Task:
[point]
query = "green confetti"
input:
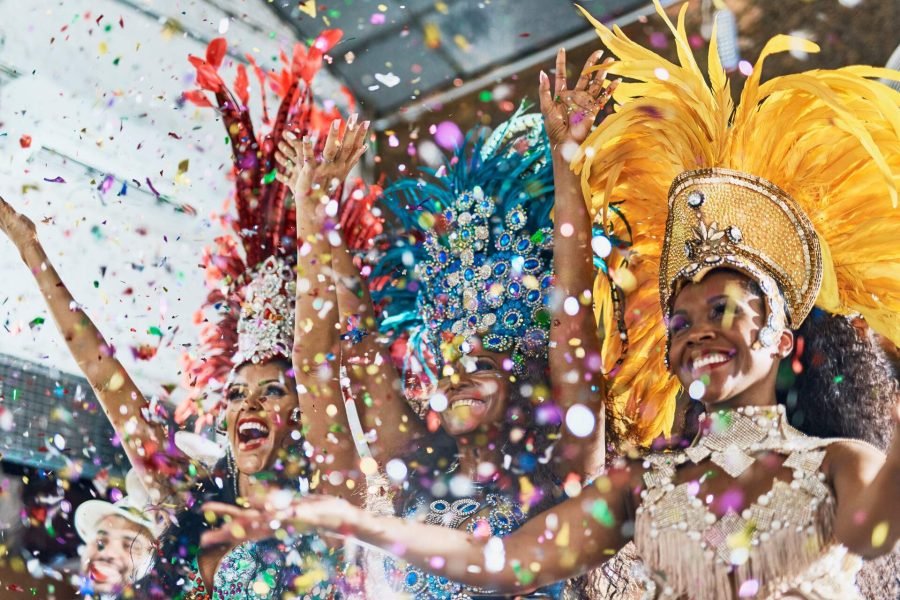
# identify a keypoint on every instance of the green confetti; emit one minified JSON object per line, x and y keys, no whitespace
{"x":485,"y":96}
{"x":96,"y":284}
{"x":601,"y":513}
{"x":35,"y":322}
{"x":839,"y":379}
{"x":270,"y":176}
{"x":155,"y":331}
{"x":367,"y":400}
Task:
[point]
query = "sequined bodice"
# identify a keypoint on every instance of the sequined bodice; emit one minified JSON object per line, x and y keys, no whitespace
{"x":268,"y":569}
{"x":493,"y":515}
{"x":759,"y":552}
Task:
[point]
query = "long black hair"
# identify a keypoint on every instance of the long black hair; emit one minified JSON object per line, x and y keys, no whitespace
{"x":179,"y":544}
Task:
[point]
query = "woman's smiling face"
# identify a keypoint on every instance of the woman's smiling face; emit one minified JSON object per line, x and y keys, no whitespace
{"x":477,"y":388}
{"x":712,"y":331}
{"x":260,"y":401}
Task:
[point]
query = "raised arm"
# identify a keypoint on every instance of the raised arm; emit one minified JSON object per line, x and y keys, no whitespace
{"x":574,"y":336}
{"x":558,"y":544}
{"x":316,"y":354}
{"x":375,"y":390}
{"x":867,"y":485}
{"x":144,"y":441}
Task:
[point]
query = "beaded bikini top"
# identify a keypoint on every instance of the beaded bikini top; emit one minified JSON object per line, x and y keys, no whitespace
{"x":764,"y":550}
{"x":492,"y":514}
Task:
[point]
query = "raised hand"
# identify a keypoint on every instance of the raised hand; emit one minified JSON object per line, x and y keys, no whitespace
{"x":264,"y":514}
{"x":569,"y":114}
{"x":303,"y":170}
{"x":19,"y":228}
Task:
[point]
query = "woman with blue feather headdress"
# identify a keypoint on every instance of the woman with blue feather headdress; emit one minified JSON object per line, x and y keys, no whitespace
{"x":466,"y":295}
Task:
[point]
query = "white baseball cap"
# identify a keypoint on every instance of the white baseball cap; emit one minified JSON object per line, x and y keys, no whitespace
{"x":133,"y":507}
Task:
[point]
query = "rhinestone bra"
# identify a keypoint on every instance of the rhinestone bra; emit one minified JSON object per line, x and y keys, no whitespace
{"x":762,"y":549}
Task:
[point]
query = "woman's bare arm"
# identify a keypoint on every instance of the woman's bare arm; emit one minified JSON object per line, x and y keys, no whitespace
{"x":560,"y":543}
{"x":574,"y":336}
{"x":144,"y":441}
{"x":316,"y":353}
{"x":867,"y":486}
{"x":375,"y":387}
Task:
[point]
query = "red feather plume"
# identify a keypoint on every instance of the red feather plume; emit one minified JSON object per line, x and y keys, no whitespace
{"x":264,"y":225}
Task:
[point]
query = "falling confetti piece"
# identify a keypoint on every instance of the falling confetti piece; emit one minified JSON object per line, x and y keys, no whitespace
{"x":25,"y":141}
{"x":879,"y":534}
{"x":36,"y":322}
{"x":55,"y":180}
{"x":387,"y":79}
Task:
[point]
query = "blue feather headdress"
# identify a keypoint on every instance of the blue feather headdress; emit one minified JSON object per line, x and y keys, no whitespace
{"x":474,"y":256}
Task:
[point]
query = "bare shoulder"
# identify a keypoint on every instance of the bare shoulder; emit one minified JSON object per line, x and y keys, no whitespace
{"x":858,"y":456}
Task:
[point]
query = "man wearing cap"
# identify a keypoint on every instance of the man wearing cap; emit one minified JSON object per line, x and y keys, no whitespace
{"x":120,"y":539}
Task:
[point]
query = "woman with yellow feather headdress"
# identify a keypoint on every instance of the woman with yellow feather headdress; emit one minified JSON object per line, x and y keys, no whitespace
{"x":787,"y":202}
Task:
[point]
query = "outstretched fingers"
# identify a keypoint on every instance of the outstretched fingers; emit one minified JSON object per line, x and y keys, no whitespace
{"x":584,"y":81}
{"x":560,"y":84}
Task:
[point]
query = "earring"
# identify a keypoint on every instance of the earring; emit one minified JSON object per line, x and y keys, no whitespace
{"x":295,"y":415}
{"x":231,"y":465}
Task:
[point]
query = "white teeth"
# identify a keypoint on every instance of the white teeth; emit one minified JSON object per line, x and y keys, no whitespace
{"x":252,"y":425}
{"x":465,"y":402}
{"x":709,"y":359}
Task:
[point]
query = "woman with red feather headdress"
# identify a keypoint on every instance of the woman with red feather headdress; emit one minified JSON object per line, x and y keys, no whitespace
{"x":246,"y":353}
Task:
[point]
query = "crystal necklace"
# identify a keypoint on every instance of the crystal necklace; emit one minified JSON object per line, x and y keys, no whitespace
{"x":727,"y":435}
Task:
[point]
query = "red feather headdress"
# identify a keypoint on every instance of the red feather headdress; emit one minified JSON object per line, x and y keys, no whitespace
{"x":264,"y":226}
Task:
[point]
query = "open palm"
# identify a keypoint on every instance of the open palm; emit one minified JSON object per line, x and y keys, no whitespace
{"x":569,"y":114}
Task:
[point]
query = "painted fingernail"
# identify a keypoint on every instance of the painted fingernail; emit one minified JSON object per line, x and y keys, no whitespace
{"x":365,"y":124}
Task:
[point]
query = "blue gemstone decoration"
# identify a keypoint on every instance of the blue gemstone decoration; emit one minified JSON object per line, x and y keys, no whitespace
{"x":531,"y":265}
{"x":468,"y":508}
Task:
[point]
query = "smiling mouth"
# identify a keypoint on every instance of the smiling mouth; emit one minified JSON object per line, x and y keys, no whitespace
{"x":709,"y":361}
{"x":466,"y":402}
{"x":102,"y":572}
{"x":251,"y":433}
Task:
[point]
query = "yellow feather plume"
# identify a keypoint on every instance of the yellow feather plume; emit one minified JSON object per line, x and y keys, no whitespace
{"x":830,"y":139}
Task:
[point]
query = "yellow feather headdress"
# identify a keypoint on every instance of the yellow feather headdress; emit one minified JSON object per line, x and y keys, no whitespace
{"x":819,"y":149}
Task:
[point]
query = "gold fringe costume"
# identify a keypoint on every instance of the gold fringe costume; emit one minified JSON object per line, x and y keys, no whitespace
{"x":796,"y":187}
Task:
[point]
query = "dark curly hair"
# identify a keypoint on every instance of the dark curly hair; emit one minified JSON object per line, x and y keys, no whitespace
{"x":839,"y":382}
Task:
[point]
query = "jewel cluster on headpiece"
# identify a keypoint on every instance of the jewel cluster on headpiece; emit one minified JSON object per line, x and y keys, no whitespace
{"x":475,"y":258}
{"x":266,"y":325}
{"x":487,"y":277}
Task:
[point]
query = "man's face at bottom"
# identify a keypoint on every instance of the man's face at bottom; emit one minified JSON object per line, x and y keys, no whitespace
{"x":112,"y":558}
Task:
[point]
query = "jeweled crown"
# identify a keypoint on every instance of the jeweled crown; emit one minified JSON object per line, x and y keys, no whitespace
{"x":487,"y":277}
{"x":266,"y":323}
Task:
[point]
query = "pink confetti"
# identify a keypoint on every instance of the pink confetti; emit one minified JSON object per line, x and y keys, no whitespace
{"x":448,"y":135}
